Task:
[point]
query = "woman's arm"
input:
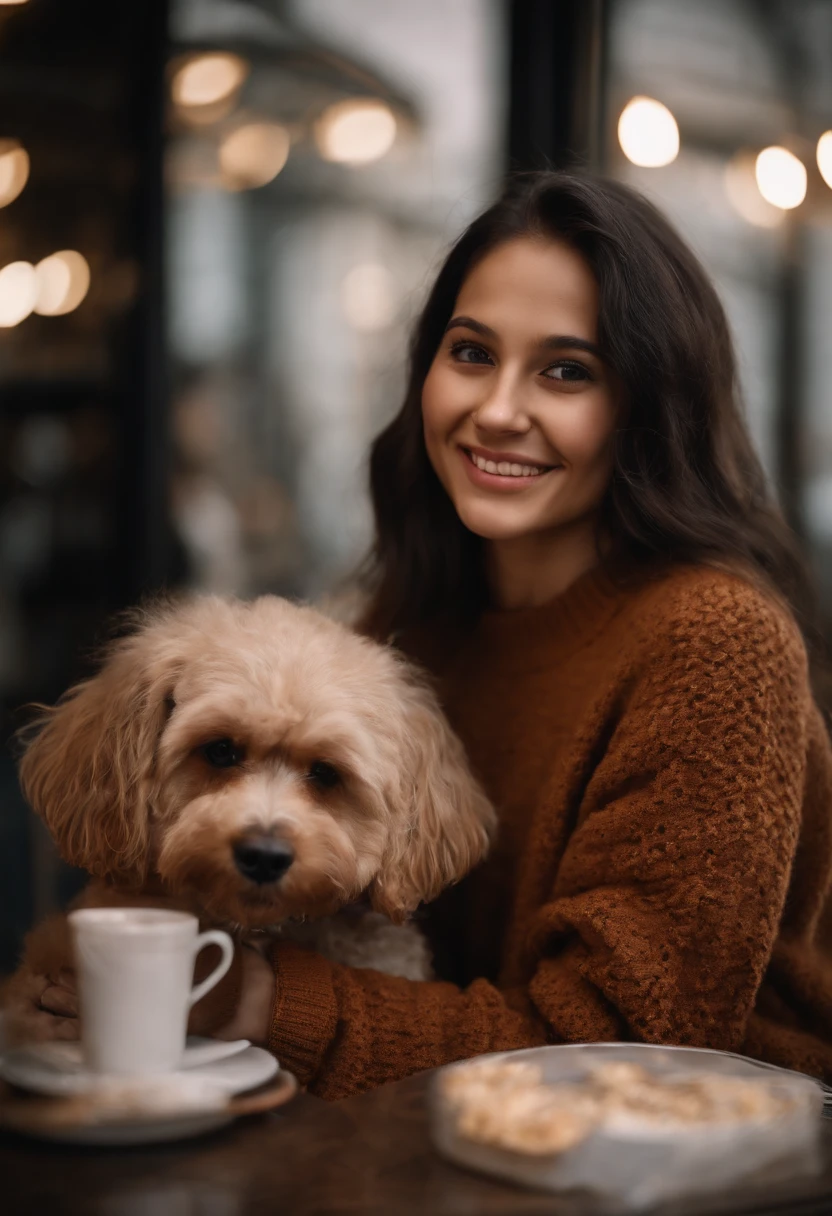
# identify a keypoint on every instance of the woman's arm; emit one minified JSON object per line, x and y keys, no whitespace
{"x":343,"y":1029}
{"x":670,"y":894}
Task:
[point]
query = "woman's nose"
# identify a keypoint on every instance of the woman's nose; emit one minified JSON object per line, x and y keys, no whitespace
{"x":503,"y":408}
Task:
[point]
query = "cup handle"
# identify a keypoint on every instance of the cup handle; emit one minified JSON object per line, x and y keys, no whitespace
{"x":227,"y":946}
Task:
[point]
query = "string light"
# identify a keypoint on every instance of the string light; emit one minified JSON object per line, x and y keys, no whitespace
{"x":744,"y":195}
{"x":14,"y":170}
{"x":781,"y":178}
{"x":63,"y":280}
{"x":207,"y":79}
{"x":368,"y":297}
{"x":355,"y":132}
{"x":18,"y":293}
{"x":824,"y":155}
{"x":648,"y":133}
{"x":254,"y":154}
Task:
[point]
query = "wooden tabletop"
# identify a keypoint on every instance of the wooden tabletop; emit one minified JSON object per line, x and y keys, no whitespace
{"x":369,"y":1154}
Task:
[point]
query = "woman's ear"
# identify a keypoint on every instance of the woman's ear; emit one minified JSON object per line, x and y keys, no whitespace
{"x":444,"y":822}
{"x":88,"y":770}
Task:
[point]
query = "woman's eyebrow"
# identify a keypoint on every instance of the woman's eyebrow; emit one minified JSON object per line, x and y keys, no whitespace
{"x":553,"y":342}
{"x":564,"y":341}
{"x":470,"y":323}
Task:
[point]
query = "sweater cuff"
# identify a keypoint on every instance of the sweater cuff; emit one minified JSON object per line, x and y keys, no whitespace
{"x":305,"y":1015}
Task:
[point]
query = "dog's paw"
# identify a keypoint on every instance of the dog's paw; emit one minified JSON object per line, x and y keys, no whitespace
{"x":40,"y":1008}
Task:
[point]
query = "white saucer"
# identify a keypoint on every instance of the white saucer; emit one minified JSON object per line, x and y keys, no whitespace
{"x":141,"y":1111}
{"x":58,"y":1070}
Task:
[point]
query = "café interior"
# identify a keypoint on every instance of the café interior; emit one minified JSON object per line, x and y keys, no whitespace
{"x":218,"y":219}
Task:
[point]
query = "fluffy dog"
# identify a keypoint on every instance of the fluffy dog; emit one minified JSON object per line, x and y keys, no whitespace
{"x":258,"y":764}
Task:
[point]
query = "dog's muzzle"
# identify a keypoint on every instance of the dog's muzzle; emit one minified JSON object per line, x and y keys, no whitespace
{"x":262,"y":859}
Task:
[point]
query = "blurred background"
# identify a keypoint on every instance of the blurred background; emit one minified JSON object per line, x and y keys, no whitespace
{"x":219,"y":217}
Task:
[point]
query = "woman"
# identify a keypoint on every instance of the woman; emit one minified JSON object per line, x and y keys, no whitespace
{"x":575,"y":536}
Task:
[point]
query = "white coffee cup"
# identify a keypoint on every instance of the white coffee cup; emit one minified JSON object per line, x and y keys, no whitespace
{"x":135,"y":971}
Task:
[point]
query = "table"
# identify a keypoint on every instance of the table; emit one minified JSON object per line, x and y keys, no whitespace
{"x":366,"y":1155}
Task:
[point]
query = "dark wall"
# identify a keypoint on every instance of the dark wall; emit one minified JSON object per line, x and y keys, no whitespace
{"x":82,"y":397}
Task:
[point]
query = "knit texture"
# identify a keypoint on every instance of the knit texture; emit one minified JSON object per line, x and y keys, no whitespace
{"x":664,"y":784}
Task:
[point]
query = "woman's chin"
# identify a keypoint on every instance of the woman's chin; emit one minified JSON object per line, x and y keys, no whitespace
{"x":494,"y":526}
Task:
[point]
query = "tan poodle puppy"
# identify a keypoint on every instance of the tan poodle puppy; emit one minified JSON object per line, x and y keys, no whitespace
{"x":260,"y":765}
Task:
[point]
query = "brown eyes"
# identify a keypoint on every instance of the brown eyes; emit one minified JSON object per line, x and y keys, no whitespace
{"x":222,"y":753}
{"x":324,"y":776}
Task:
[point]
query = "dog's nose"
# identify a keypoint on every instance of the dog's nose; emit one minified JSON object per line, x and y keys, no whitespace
{"x":261,"y":859}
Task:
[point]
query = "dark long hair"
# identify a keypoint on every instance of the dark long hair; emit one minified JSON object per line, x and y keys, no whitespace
{"x":686,"y":485}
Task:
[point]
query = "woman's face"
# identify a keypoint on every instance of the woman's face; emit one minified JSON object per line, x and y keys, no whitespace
{"x":518,"y":408}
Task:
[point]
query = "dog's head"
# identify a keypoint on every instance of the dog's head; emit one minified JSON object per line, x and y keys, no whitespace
{"x":263,"y":759}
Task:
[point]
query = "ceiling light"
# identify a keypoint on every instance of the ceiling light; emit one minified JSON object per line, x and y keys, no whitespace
{"x":207,"y":79}
{"x":254,"y":154}
{"x":18,"y":292}
{"x":368,"y":297}
{"x":744,"y":196}
{"x":648,"y":133}
{"x":14,"y":170}
{"x":63,"y":280}
{"x":781,"y":178}
{"x":824,"y":155}
{"x":355,"y":132}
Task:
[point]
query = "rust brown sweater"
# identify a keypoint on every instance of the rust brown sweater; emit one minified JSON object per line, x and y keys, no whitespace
{"x":664,"y":784}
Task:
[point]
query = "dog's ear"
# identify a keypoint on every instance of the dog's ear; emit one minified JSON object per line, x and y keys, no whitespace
{"x":443,"y":823}
{"x":87,"y":768}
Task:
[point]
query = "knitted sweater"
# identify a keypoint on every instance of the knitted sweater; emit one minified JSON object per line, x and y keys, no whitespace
{"x":663,"y":779}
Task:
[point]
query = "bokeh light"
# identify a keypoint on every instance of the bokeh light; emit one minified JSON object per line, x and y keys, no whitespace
{"x":824,"y":155}
{"x":368,"y":297}
{"x":14,"y":170}
{"x":63,"y":280}
{"x":254,"y":154}
{"x":207,"y":79}
{"x":355,"y":132}
{"x":648,"y":133}
{"x":781,"y":178}
{"x":18,"y":293}
{"x":744,"y":196}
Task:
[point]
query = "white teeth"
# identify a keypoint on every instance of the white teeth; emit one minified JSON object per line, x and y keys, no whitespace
{"x":506,"y":468}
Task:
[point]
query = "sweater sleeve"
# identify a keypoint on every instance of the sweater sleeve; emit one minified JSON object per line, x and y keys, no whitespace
{"x":668,"y":897}
{"x":343,"y":1029}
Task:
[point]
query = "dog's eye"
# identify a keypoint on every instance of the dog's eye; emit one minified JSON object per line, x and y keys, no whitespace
{"x":324,"y":775}
{"x":222,"y":753}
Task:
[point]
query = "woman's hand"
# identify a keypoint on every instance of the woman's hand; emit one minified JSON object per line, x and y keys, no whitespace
{"x":40,"y":1007}
{"x":257,"y":993}
{"x":60,"y":996}
{"x":46,"y":1006}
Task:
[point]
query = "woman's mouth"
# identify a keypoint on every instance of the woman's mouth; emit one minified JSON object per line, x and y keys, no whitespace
{"x":510,"y":473}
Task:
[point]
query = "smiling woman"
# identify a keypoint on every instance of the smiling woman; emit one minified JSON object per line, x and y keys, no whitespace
{"x":581,"y":296}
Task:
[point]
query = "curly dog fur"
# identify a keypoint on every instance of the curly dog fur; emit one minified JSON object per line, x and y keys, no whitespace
{"x":220,"y":731}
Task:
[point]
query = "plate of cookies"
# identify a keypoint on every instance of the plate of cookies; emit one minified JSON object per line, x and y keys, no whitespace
{"x":627,"y":1125}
